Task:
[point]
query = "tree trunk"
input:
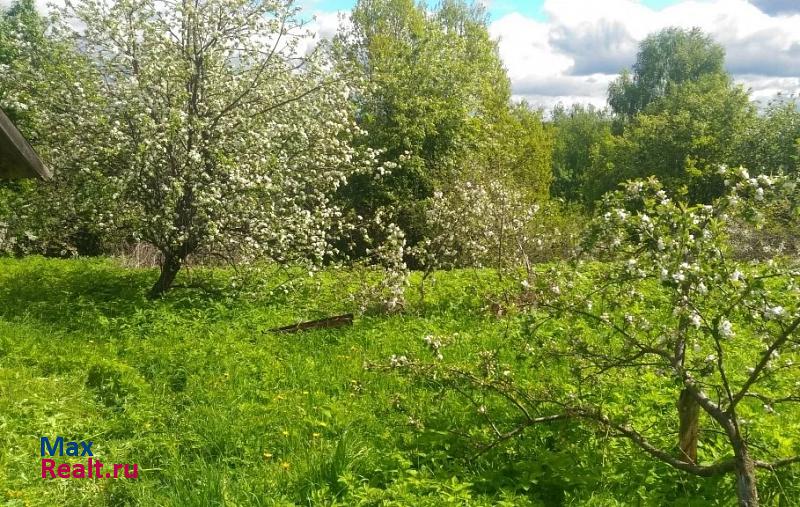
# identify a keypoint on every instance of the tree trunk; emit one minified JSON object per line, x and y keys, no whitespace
{"x":746,"y":487}
{"x":169,"y":269}
{"x":689,"y":414}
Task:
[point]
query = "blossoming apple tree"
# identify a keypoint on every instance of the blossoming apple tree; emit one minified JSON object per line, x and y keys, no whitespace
{"x":668,"y":319}
{"x":236,"y":136}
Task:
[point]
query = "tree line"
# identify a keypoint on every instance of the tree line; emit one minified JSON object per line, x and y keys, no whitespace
{"x":207,"y":128}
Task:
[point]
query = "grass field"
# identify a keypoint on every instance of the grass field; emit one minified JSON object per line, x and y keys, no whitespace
{"x":216,"y":412}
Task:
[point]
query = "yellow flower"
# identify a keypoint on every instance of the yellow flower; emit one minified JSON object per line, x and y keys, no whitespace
{"x":267,"y":455}
{"x":285,"y":433}
{"x":285,"y":465}
{"x":315,"y":435}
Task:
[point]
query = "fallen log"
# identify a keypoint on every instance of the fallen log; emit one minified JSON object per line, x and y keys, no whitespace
{"x":326,"y":323}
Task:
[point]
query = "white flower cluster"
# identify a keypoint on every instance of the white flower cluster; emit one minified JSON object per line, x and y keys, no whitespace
{"x":479,"y":225}
{"x":648,"y":236}
{"x":398,"y":361}
{"x":389,"y":256}
{"x":435,"y":345}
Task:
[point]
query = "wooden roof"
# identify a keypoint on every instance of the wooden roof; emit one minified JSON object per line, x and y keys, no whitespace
{"x":17,"y":158}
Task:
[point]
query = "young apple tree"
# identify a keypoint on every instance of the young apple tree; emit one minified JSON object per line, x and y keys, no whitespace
{"x":236,"y":136}
{"x":667,"y":319}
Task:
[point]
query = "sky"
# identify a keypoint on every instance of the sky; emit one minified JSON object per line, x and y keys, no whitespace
{"x":569,"y":50}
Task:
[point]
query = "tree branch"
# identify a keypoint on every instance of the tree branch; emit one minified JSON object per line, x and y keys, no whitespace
{"x":765,"y":358}
{"x":777,"y":464}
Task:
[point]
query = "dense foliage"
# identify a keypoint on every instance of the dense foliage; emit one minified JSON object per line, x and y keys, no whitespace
{"x":579,"y":130}
{"x":436,"y":105}
{"x":665,"y":60}
{"x":681,"y":138}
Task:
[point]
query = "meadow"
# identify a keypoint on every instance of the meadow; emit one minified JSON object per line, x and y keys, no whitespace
{"x":216,"y":411}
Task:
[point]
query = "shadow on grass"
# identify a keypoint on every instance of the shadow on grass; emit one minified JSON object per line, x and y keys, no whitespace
{"x":62,"y":292}
{"x":96,"y":296}
{"x":74,"y":294}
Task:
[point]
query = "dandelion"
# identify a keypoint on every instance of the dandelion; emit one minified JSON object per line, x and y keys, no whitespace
{"x":285,"y":465}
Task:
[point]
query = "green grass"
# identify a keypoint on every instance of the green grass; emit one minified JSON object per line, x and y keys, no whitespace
{"x":217,"y":412}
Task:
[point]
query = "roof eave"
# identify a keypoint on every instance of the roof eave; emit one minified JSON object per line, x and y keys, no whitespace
{"x":17,"y":158}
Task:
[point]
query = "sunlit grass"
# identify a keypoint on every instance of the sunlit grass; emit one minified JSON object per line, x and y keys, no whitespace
{"x":216,"y":411}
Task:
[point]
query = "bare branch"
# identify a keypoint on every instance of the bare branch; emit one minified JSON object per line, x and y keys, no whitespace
{"x":637,"y":438}
{"x":777,"y":464}
{"x":522,"y":427}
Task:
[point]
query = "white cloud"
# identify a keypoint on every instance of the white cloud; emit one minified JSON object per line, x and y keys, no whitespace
{"x":323,"y":25}
{"x":765,"y":87}
{"x":573,"y":55}
{"x":525,"y":48}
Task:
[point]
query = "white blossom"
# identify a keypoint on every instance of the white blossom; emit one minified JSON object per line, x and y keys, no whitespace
{"x":773,"y":312}
{"x":725,"y":328}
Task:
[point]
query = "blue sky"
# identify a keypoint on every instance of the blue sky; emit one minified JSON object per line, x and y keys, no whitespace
{"x":533,"y":8}
{"x":570,"y":50}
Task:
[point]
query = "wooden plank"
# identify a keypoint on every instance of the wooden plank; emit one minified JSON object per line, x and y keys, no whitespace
{"x":17,"y":157}
{"x":326,"y":323}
